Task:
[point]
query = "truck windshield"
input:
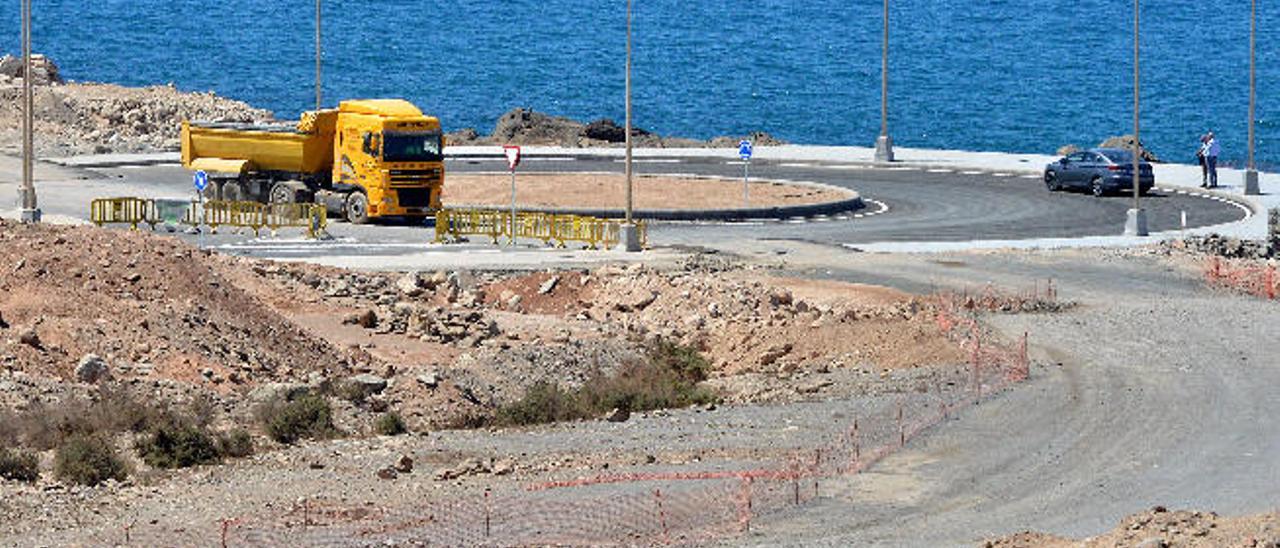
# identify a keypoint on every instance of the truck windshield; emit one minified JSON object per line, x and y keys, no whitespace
{"x":411,"y":147}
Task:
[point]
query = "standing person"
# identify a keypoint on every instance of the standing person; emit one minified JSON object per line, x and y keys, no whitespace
{"x":1211,"y":150}
{"x":1204,"y":163}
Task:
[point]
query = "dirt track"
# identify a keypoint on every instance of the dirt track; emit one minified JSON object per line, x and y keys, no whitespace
{"x":1165,"y":396}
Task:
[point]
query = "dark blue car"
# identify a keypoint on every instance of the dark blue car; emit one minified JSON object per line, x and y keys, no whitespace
{"x":1100,"y":171}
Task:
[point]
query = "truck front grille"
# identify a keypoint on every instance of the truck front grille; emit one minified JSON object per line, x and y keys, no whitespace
{"x":414,"y":197}
{"x":415,"y":177}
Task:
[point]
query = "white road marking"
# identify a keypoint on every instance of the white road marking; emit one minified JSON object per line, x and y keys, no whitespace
{"x":941,"y":171}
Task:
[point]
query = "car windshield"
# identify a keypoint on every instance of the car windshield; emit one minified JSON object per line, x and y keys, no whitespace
{"x":411,"y":147}
{"x":1118,"y":156}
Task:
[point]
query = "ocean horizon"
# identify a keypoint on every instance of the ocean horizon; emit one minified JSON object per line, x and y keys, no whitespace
{"x":1025,"y":77}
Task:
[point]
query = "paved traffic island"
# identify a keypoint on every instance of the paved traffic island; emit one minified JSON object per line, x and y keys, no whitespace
{"x":662,"y":197}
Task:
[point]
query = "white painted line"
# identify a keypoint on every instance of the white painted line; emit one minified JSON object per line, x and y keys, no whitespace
{"x":971,"y":173}
{"x":941,"y":171}
{"x":651,"y":161}
{"x":1030,"y":176}
{"x":1001,"y":175}
{"x":796,"y":165}
{"x":852,"y":166}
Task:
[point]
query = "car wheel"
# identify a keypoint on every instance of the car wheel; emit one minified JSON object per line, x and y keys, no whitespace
{"x":1051,"y":181}
{"x":1096,"y":187}
{"x":357,"y":209}
{"x":232,"y":191}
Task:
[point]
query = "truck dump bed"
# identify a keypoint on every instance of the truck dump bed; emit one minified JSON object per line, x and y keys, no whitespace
{"x":234,"y":148}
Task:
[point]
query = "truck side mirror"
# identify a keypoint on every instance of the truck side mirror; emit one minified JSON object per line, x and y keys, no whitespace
{"x":368,"y":143}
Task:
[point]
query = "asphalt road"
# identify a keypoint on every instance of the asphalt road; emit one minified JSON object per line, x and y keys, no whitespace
{"x":918,"y":205}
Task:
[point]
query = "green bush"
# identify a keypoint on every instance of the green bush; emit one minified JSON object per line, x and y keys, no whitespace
{"x":306,"y":417}
{"x":178,"y":445}
{"x":390,"y":424}
{"x":19,"y":465}
{"x":88,"y":460}
{"x":668,"y":377}
{"x":236,"y":444}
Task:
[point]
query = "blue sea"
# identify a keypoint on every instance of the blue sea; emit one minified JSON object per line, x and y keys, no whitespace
{"x":996,"y":75}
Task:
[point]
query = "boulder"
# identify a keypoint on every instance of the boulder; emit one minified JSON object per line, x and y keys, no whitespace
{"x":549,"y":285}
{"x":91,"y":369}
{"x":368,"y":383}
{"x":525,"y":127}
{"x":410,"y":285}
{"x":404,"y":465}
{"x":43,"y":70}
{"x":1126,"y":142}
{"x":30,"y":338}
{"x":367,"y":319}
{"x":278,"y":391}
{"x":618,"y":414}
{"x":3,"y":324}
{"x":429,"y":380}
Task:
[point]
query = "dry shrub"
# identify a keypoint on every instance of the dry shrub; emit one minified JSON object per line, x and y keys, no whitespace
{"x":390,"y":424}
{"x":88,"y":460}
{"x":19,"y":465}
{"x":308,"y":417}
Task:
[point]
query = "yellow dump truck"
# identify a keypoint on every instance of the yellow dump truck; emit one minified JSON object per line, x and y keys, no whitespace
{"x":364,"y":160}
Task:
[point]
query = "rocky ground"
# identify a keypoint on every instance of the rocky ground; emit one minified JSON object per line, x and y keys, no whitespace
{"x":75,"y":118}
{"x":1160,"y":528}
{"x":86,"y":312}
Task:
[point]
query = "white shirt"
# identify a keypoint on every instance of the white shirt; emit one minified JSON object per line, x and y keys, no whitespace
{"x":1211,"y":148}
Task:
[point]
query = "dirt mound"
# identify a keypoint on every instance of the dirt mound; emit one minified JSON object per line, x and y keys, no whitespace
{"x":522,"y":126}
{"x":1159,"y":528}
{"x":149,"y":307}
{"x":84,"y":118}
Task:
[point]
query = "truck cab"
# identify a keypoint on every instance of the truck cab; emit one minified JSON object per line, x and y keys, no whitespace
{"x":393,"y":154}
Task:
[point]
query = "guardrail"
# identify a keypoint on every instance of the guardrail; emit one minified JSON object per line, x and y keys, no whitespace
{"x":214,"y":214}
{"x":130,"y":211}
{"x":551,"y":228}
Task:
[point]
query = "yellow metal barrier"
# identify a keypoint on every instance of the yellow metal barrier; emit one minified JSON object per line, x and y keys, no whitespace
{"x":130,"y":211}
{"x":550,"y":228}
{"x":214,"y":214}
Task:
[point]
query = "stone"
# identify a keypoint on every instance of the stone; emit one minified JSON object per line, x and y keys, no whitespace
{"x":367,"y":319}
{"x":3,"y":324}
{"x":549,"y":285}
{"x":133,"y":277}
{"x":91,"y":369}
{"x":780,"y":297}
{"x":387,"y":473}
{"x":404,"y":464}
{"x":503,"y":467}
{"x":30,"y":338}
{"x":429,"y":380}
{"x":1155,"y":542}
{"x":617,"y":414}
{"x":278,"y":391}
{"x":410,"y":285}
{"x":368,"y":383}
{"x":774,"y":353}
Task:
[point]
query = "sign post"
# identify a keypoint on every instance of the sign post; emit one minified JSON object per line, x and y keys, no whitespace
{"x":513,"y":159}
{"x":200,"y":180}
{"x":744,"y":151}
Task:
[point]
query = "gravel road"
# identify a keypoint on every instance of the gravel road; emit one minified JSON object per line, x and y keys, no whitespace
{"x":1165,"y":394}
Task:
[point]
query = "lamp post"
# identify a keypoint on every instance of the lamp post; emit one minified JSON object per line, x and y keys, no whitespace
{"x":1136,"y":221}
{"x":1251,"y":174}
{"x":318,"y":92}
{"x":628,"y":231}
{"x":884,"y":144}
{"x":27,"y":193}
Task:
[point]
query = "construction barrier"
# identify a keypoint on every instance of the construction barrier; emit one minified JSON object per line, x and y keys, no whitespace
{"x":699,"y":503}
{"x":1255,"y":278}
{"x":130,"y":211}
{"x":550,"y":228}
{"x":252,"y":215}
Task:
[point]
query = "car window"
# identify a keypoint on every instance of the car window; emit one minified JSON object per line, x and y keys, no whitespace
{"x":1092,"y":157}
{"x":1119,"y":156}
{"x":1076,"y":157}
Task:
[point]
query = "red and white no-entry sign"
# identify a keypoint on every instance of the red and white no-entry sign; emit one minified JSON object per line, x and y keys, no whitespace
{"x":513,"y":156}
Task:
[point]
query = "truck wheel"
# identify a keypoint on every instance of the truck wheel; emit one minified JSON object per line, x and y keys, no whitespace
{"x":233,"y":191}
{"x":357,"y":209}
{"x":282,"y":193}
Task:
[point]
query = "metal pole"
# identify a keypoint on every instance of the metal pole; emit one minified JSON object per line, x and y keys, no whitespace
{"x":746,"y":179}
{"x":884,"y":75}
{"x":30,"y":213}
{"x":1251,"y":174}
{"x":1136,"y":223}
{"x":513,"y":206}
{"x":1137,"y":147}
{"x":884,"y":144}
{"x":318,"y":42}
{"x":628,"y":123}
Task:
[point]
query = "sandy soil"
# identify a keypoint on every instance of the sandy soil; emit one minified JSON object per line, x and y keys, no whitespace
{"x":601,"y":190}
{"x":1160,"y":527}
